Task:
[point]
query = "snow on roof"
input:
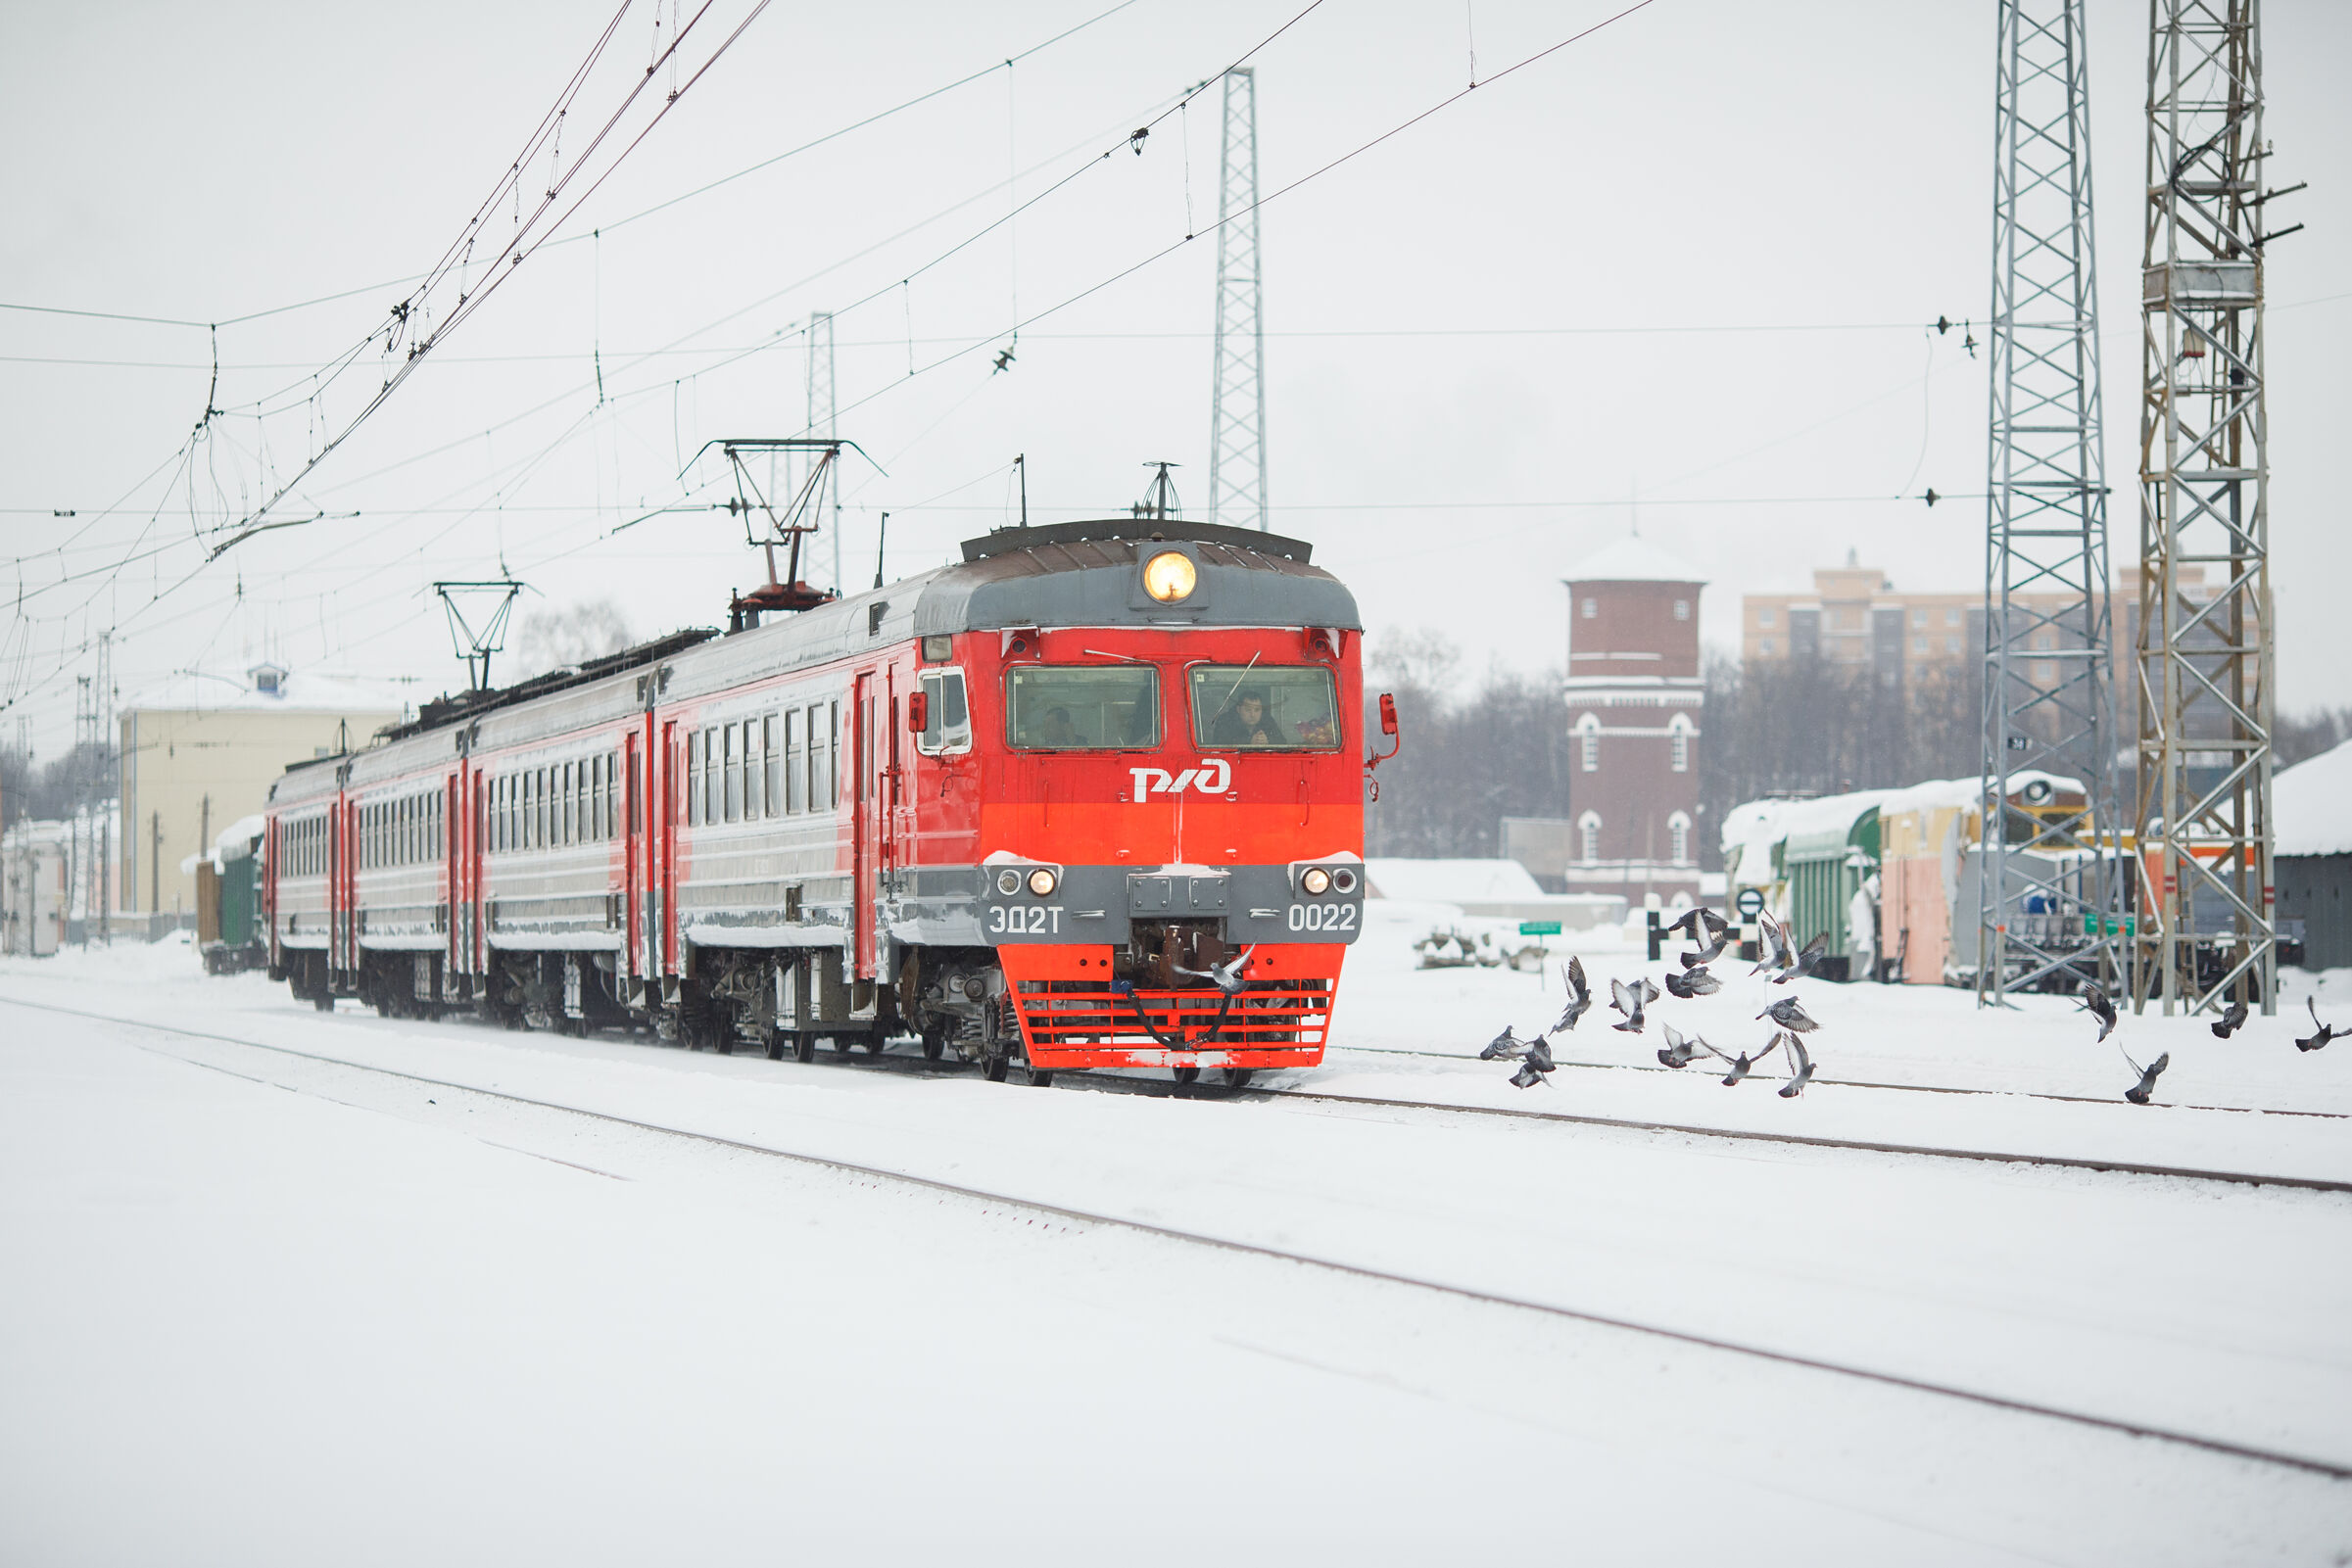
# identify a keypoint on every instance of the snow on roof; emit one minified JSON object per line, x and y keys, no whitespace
{"x":299,"y":692}
{"x":2310,"y":804}
{"x":1969,"y":793}
{"x":1448,"y":882}
{"x":1633,"y":559}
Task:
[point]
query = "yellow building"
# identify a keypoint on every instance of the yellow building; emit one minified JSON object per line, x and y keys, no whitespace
{"x":202,"y":752}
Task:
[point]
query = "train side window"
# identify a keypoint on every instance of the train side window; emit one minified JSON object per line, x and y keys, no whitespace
{"x":693,"y":778}
{"x":731,"y":776}
{"x":1082,"y":707}
{"x":833,"y":756}
{"x":613,"y":785}
{"x":947,"y":718}
{"x":796,"y":762}
{"x":771,"y":767}
{"x":1264,"y":707}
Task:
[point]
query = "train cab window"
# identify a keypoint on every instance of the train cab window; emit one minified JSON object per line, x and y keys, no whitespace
{"x":946,"y":719}
{"x":1264,"y":707}
{"x":1082,"y":707}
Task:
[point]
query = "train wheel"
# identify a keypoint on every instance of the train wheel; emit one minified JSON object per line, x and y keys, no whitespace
{"x":325,"y":1002}
{"x":934,"y":1042}
{"x":775,"y":1043}
{"x":994,"y":1065}
{"x":1036,"y":1078}
{"x":1237,"y":1077}
{"x":804,"y":1046}
{"x":873,"y":1043}
{"x":1187,"y":1074}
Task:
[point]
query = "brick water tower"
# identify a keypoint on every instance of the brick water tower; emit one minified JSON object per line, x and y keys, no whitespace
{"x":1633,"y":697}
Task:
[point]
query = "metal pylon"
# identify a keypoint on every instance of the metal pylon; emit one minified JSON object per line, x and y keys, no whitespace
{"x":820,"y":424}
{"x":2045,"y":893}
{"x":2204,"y":657}
{"x":1238,"y":388}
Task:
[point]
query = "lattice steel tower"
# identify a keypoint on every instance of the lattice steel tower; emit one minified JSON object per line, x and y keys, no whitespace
{"x":1237,"y":391}
{"x":820,"y":423}
{"x":2204,"y":654}
{"x":2045,"y":893}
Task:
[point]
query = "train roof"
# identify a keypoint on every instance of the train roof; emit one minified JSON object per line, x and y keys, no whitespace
{"x":1060,"y":574}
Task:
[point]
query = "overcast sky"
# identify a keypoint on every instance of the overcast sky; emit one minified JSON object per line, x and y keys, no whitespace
{"x":1682,"y":267}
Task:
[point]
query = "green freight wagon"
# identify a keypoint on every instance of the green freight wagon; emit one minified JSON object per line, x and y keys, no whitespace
{"x":1825,"y":868}
{"x":228,"y":907}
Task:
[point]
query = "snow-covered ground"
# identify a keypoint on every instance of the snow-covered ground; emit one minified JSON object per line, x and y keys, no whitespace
{"x":386,"y":1319}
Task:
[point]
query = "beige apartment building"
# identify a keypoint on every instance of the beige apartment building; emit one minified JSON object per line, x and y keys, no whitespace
{"x":1857,"y":617}
{"x":200,"y":752}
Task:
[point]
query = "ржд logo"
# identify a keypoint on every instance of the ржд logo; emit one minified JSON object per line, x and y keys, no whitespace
{"x":1211,"y":777}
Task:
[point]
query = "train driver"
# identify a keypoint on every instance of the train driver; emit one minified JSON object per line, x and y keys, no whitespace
{"x":1057,"y":730}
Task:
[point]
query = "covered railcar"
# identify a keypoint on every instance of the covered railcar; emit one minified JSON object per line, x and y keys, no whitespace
{"x":1090,"y":797}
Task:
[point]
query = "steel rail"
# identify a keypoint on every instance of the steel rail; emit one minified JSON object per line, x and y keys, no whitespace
{"x":2135,"y":1429}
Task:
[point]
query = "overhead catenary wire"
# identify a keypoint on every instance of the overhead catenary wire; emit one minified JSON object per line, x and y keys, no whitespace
{"x":1148,"y":259}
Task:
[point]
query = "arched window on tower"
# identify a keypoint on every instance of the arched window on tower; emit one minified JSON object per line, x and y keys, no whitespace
{"x":1588,"y":742}
{"x":1678,"y":837}
{"x":1588,"y":838}
{"x":1679,"y":730}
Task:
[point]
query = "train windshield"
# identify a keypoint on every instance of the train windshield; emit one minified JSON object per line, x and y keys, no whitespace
{"x":1264,"y":707}
{"x":1082,"y":707}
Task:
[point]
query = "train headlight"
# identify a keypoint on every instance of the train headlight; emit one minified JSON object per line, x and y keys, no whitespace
{"x":1169,"y":576}
{"x":1317,"y":881}
{"x":1042,"y":882}
{"x":1344,"y":880}
{"x":1008,"y":882}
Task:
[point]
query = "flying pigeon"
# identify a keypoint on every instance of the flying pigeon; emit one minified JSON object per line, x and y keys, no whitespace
{"x":2327,"y":1030}
{"x":1803,"y":963}
{"x":1774,"y":940}
{"x":1743,"y":1063}
{"x":2231,"y":1019}
{"x":1709,"y":953}
{"x":2100,"y":1009}
{"x":1691,"y":919}
{"x":1681,"y":1051}
{"x":2138,"y":1093}
{"x":1580,"y":995}
{"x":1805,"y":1068}
{"x":1225,"y":977}
{"x":1505,"y":1044}
{"x":1630,"y":1000}
{"x":1790,"y":1013}
{"x":1696,"y":982}
{"x":1537,"y":1053}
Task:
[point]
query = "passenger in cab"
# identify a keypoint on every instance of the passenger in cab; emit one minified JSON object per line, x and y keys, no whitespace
{"x":1244,"y":724}
{"x":1057,"y":730}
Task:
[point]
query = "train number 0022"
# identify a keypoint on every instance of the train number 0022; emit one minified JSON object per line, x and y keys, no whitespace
{"x":1023,"y":919}
{"x":1323,"y":917}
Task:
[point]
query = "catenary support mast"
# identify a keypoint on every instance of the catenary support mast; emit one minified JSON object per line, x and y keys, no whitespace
{"x":820,"y":424}
{"x":2043,"y":892}
{"x":1237,"y":391}
{"x":2204,"y":658}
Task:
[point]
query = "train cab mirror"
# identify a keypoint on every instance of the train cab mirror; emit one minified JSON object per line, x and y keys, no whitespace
{"x":1388,"y":714}
{"x":918,"y":711}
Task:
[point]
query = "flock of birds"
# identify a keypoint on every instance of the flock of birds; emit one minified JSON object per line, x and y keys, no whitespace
{"x":2102,"y":1007}
{"x":1782,"y":962}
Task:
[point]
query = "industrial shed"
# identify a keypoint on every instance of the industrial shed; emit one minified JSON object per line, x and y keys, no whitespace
{"x":2310,"y":804}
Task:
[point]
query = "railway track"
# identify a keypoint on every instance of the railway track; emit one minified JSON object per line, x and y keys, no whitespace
{"x":1202,"y":1239}
{"x":1868,"y":1083}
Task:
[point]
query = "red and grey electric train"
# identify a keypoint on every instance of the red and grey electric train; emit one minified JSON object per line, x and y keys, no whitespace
{"x":1091,"y":796}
